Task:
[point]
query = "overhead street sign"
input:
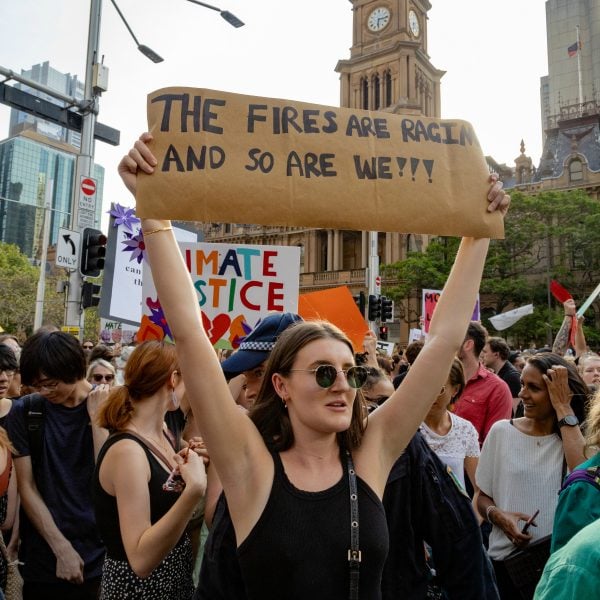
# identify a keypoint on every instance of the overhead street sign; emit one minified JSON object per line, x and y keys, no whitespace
{"x":55,"y":113}
{"x":67,"y":249}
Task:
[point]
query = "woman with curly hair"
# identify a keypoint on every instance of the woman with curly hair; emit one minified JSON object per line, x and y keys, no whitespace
{"x":523,"y":460}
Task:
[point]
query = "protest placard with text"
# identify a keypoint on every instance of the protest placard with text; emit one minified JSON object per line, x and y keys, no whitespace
{"x":237,"y":286}
{"x":241,"y":159}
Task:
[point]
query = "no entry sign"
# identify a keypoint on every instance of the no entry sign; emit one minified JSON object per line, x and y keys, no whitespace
{"x":88,"y":186}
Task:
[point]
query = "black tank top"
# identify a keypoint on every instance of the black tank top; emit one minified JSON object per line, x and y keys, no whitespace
{"x":298,"y":549}
{"x":105,"y":505}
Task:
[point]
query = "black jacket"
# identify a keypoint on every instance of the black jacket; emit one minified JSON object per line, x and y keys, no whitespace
{"x":423,"y":503}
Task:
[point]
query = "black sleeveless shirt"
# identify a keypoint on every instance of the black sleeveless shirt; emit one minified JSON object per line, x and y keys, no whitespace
{"x":298,"y":549}
{"x":105,"y":505}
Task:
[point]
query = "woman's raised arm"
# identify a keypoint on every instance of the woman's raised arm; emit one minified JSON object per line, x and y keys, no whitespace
{"x":235,"y":446}
{"x":392,"y":425}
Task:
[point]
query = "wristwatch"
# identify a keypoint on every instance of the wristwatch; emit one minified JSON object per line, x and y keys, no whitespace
{"x":569,"y":421}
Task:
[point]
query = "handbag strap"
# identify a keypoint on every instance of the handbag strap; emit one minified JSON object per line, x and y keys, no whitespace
{"x":152,"y":447}
{"x":354,"y":554}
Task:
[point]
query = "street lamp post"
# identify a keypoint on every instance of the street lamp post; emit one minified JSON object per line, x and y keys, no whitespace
{"x":85,"y":158}
{"x":89,"y":107}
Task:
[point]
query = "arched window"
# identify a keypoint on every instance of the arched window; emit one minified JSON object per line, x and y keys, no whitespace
{"x":388,"y":88}
{"x":377,"y":87}
{"x":364,"y":92}
{"x":575,"y":170}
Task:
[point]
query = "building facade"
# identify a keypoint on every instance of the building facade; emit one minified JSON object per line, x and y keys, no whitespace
{"x":388,"y":70}
{"x":28,"y":162}
{"x":570,"y":104}
{"x":64,"y":83}
{"x":573,"y":73}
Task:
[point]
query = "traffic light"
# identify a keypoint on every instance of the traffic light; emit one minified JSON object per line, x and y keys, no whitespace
{"x":387,"y":309}
{"x":374,"y":307}
{"x":93,"y":251}
{"x":89,"y":294}
{"x":383,"y":333}
{"x":360,"y":302}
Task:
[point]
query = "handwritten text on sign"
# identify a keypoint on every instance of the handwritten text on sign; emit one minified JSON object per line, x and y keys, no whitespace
{"x":232,"y":158}
{"x":236,"y":285}
{"x":430,"y":299}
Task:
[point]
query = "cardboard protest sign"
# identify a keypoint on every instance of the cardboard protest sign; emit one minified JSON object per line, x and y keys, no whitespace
{"x":243,"y":159}
{"x":337,"y":306}
{"x":237,"y":286}
{"x":430,"y":299}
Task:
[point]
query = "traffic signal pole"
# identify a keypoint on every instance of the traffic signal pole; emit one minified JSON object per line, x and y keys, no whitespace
{"x":85,"y":159}
{"x":373,"y":277}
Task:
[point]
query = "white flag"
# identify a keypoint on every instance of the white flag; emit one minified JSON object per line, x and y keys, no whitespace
{"x":505,"y":320}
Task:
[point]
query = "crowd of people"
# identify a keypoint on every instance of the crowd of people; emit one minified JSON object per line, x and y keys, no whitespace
{"x":319,"y":471}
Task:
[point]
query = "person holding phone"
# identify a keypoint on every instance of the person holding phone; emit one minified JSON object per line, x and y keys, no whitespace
{"x":523,"y":460}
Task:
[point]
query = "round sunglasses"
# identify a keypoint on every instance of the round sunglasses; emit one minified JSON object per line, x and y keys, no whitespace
{"x":97,"y":377}
{"x":325,"y":375}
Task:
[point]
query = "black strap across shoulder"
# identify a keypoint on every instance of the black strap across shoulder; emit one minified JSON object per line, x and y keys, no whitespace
{"x":33,"y":406}
{"x":354,"y":555}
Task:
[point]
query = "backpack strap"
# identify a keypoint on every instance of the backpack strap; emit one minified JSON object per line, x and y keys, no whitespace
{"x":34,"y":419}
{"x":590,"y":475}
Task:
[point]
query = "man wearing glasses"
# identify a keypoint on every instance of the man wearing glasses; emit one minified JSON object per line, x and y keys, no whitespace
{"x":61,"y":551}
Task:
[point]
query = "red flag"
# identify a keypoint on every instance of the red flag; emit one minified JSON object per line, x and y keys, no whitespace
{"x":559,"y":292}
{"x":562,"y":295}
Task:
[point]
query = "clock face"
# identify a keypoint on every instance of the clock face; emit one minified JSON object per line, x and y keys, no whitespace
{"x":378,"y":19}
{"x":413,"y":23}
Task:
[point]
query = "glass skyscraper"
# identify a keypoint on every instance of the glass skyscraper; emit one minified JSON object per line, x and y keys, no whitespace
{"x":35,"y":153}
{"x":27,"y":163}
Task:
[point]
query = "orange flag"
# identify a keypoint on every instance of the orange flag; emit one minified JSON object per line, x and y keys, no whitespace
{"x":337,"y":306}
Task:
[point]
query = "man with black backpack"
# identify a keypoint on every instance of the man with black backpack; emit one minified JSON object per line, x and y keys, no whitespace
{"x":56,"y":439}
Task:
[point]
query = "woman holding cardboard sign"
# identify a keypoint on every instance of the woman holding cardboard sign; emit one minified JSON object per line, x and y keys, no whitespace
{"x":305,"y":475}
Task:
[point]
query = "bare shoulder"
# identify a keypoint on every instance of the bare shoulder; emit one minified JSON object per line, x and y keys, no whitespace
{"x":125,"y":456}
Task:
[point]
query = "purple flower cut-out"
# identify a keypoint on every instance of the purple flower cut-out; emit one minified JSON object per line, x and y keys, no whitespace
{"x":238,"y":339}
{"x":124,"y":216}
{"x":157,"y":316}
{"x":135,"y":245}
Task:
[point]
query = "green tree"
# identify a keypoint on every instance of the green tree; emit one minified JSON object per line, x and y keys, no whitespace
{"x":18,"y":281}
{"x":553,"y":235}
{"x":18,"y":290}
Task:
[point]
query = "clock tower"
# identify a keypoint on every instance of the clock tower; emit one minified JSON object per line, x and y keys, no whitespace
{"x":389,"y":68}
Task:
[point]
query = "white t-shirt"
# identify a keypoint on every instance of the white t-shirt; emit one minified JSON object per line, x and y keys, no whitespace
{"x":521,"y":473}
{"x":460,"y":441}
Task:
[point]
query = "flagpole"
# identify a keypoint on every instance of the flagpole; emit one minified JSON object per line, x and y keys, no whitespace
{"x":579,"y":73}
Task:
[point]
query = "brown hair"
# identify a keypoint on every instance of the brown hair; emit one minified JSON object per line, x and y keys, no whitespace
{"x":457,"y":377}
{"x":543,"y":361}
{"x":147,"y":370}
{"x":269,"y":414}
